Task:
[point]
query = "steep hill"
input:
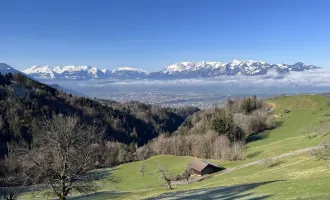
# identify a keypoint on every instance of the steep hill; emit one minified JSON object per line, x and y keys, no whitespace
{"x":23,"y":102}
{"x":4,"y":69}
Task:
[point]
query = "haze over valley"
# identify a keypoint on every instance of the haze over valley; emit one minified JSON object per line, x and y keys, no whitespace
{"x":164,"y":100}
{"x":200,"y":84}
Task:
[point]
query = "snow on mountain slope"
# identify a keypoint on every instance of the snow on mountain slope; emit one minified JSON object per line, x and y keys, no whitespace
{"x":128,"y":73}
{"x":122,"y":69}
{"x":40,"y":72}
{"x":178,"y":70}
{"x":235,"y":67}
{"x":70,"y":72}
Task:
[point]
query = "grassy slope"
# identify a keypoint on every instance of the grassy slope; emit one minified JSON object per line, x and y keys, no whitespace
{"x":300,"y":175}
{"x":287,"y":137}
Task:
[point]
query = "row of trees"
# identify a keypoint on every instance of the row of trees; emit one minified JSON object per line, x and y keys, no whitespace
{"x":209,"y":145}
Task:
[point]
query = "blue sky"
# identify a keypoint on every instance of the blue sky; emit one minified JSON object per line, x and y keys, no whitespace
{"x":151,"y":34}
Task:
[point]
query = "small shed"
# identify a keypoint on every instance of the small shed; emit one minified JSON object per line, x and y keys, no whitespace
{"x":200,"y":167}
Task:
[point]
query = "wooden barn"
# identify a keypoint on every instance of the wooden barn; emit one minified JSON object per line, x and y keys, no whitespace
{"x":200,"y":167}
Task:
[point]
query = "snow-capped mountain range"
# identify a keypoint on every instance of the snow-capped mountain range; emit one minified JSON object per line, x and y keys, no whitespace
{"x":70,"y":72}
{"x":178,"y":70}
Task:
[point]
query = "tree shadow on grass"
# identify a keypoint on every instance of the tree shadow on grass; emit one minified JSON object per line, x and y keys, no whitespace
{"x":102,"y":173}
{"x":256,"y":137}
{"x":100,"y":195}
{"x":276,"y":163}
{"x":225,"y":193}
{"x":279,"y":124}
{"x":262,"y":135}
{"x":254,"y":154}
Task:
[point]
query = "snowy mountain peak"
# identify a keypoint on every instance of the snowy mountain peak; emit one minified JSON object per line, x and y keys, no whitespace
{"x":236,"y":62}
{"x":72,"y":68}
{"x":74,"y":72}
{"x":188,"y":69}
{"x":104,"y":70}
{"x":235,"y":67}
{"x":190,"y":66}
{"x":129,"y":69}
{"x":38,"y":69}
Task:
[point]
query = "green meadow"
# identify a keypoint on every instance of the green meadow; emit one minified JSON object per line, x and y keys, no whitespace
{"x":294,"y":177}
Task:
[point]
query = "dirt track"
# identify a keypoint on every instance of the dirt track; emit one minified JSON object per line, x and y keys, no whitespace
{"x":253,"y":163}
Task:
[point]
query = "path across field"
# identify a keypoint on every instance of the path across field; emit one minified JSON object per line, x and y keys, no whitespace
{"x":252,"y":163}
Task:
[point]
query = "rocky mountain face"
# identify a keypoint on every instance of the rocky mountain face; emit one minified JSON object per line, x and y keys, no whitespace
{"x":204,"y":69}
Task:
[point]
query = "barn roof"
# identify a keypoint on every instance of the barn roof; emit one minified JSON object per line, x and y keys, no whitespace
{"x":199,"y":165}
{"x":214,"y":165}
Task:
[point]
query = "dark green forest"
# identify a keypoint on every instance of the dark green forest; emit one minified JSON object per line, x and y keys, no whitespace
{"x":23,"y":102}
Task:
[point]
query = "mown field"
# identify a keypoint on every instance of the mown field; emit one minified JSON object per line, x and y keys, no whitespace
{"x":294,"y":177}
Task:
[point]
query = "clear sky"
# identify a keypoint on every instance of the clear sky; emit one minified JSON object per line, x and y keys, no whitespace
{"x":151,"y":34}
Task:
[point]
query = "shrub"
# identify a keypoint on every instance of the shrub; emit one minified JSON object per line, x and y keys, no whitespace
{"x":326,"y":114}
{"x":271,"y":122}
{"x":249,"y":105}
{"x":269,"y":162}
{"x":175,"y":178}
{"x":308,"y":131}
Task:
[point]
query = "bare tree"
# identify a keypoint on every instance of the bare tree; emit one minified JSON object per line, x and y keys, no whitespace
{"x":142,"y":168}
{"x":10,"y":178}
{"x":187,"y":173}
{"x":162,"y":170}
{"x":7,"y":194}
{"x":308,"y":131}
{"x":62,"y":155}
{"x":323,"y":153}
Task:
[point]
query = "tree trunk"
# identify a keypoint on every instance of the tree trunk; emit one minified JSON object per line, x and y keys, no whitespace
{"x":169,"y":185}
{"x":62,"y":198}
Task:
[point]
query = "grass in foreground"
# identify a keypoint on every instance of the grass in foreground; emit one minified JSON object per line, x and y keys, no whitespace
{"x":295,"y":176}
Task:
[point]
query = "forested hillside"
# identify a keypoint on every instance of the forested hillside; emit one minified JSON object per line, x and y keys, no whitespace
{"x":217,"y":133}
{"x":23,"y":102}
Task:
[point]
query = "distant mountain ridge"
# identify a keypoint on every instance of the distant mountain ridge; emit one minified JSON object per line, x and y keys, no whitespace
{"x":236,"y":67}
{"x":204,"y":69}
{"x":70,"y":72}
{"x":4,"y":69}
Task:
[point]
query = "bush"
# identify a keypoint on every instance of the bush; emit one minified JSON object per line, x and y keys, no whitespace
{"x":326,"y":114}
{"x":271,"y":122}
{"x":269,"y":162}
{"x":249,"y":105}
{"x":286,"y":111}
{"x":175,"y":178}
